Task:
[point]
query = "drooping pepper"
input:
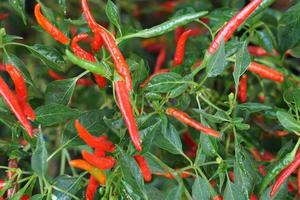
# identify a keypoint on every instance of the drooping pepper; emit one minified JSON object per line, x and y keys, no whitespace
{"x":49,"y":27}
{"x":144,"y":167}
{"x":160,"y":59}
{"x":243,"y":88}
{"x":91,"y":188}
{"x":103,"y":163}
{"x":186,"y":119}
{"x":230,"y":27}
{"x":180,"y":47}
{"x":266,"y":72}
{"x":124,"y":102}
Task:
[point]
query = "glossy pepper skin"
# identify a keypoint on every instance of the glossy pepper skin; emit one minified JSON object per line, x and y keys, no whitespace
{"x":144,"y":167}
{"x":13,"y":104}
{"x":103,"y":163}
{"x":111,"y":45}
{"x":124,"y":102}
{"x":266,"y":72}
{"x":180,"y":47}
{"x":243,"y":89}
{"x":49,"y":27}
{"x":98,"y":174}
{"x":100,"y":143}
{"x":230,"y":27}
{"x":161,"y":58}
{"x":78,"y":51}
{"x":284,"y":174}
{"x":186,"y":119}
{"x":91,"y":188}
{"x":21,"y":90}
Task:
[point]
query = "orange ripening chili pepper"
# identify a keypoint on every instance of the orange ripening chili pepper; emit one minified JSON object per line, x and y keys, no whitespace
{"x":13,"y":104}
{"x":186,"y":119}
{"x":230,"y":27}
{"x":160,"y":59}
{"x":144,"y":167}
{"x":91,"y":188}
{"x":243,"y":89}
{"x":142,"y":85}
{"x":78,"y":51}
{"x":21,"y":90}
{"x":49,"y":27}
{"x":123,"y":99}
{"x":101,"y":143}
{"x":98,"y":174}
{"x":266,"y":72}
{"x":180,"y":47}
{"x":284,"y":174}
{"x":111,"y":45}
{"x":103,"y":163}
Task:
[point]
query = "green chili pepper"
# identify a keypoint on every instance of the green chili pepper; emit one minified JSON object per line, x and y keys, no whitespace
{"x":275,"y":170}
{"x":97,"y":68}
{"x":165,"y":27}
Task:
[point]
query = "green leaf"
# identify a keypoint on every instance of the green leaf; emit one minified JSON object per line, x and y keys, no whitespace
{"x":132,"y":176}
{"x":39,"y":157}
{"x":217,"y":62}
{"x":48,"y":55}
{"x":60,"y":91}
{"x":112,"y":12}
{"x":266,"y":39}
{"x":280,"y":195}
{"x":200,"y":189}
{"x":154,"y":193}
{"x":19,"y":6}
{"x":67,"y":184}
{"x":163,"y":83}
{"x":233,"y":192}
{"x":253,"y":107}
{"x":175,"y":193}
{"x":288,"y":121}
{"x":53,"y":114}
{"x":241,"y":64}
{"x":289,"y":28}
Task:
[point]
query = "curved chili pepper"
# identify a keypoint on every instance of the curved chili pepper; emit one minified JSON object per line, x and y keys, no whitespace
{"x":49,"y":27}
{"x":180,"y":47}
{"x":284,"y":174}
{"x":98,"y":174}
{"x":160,"y":59}
{"x":101,"y":143}
{"x":81,"y":81}
{"x":243,"y":88}
{"x":143,"y":84}
{"x":144,"y":167}
{"x":123,"y":99}
{"x":227,"y":31}
{"x":91,"y":188}
{"x":78,"y":51}
{"x":21,"y":90}
{"x":266,"y":72}
{"x":111,"y":45}
{"x":103,"y":163}
{"x":186,"y":119}
{"x":178,"y":32}
{"x":13,"y":104}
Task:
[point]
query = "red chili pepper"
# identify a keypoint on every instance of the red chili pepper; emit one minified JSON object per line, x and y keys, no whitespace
{"x":101,"y":143}
{"x":298,"y":180}
{"x":110,"y":43}
{"x":160,"y":59}
{"x":3,"y":16}
{"x":2,"y":68}
{"x":25,"y":197}
{"x":49,"y":27}
{"x":82,"y":81}
{"x":230,"y":27}
{"x":169,"y":6}
{"x":212,"y":183}
{"x":291,"y":186}
{"x":243,"y":88}
{"x":142,"y":85}
{"x":191,"y":144}
{"x":262,"y":170}
{"x":97,"y":43}
{"x":284,"y":174}
{"x":21,"y":90}
{"x":144,"y":167}
{"x":78,"y":51}
{"x":186,"y":119}
{"x":253,"y":197}
{"x":123,"y":99}
{"x":267,"y":156}
{"x":91,"y":188}
{"x":258,"y":51}
{"x":266,"y":72}
{"x":13,"y":104}
{"x":231,"y":176}
{"x":2,"y":184}
{"x":103,"y":163}
{"x":178,"y":32}
{"x":218,"y":197}
{"x":180,"y":47}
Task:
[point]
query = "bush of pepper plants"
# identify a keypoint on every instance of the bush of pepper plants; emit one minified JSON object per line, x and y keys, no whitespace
{"x":149,"y":100}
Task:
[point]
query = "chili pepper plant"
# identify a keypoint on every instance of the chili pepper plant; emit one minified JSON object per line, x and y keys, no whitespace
{"x":149,"y":100}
